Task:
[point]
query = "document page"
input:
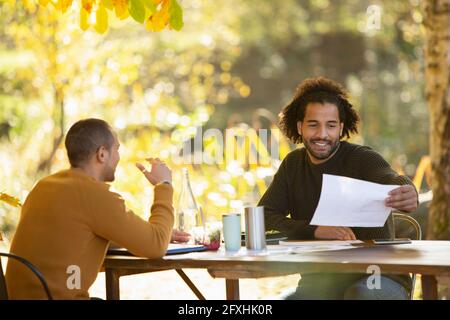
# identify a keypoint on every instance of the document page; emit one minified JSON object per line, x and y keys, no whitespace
{"x":348,"y":202}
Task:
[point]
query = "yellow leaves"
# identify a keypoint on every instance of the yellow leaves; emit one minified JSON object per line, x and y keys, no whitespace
{"x":121,"y":8}
{"x":87,"y":5}
{"x":160,"y":18}
{"x":101,"y":23}
{"x":155,"y":14}
{"x":43,"y":2}
{"x":107,"y":4}
{"x":62,"y":5}
{"x":65,"y":4}
{"x":30,"y":5}
{"x":101,"y":17}
{"x":10,"y":200}
{"x":166,"y":13}
{"x":84,"y":19}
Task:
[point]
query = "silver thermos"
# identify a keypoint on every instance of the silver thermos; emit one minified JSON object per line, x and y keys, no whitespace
{"x":255,"y":230}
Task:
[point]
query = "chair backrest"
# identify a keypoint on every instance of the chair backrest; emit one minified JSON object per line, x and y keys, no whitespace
{"x":411,"y":227}
{"x":37,"y":273}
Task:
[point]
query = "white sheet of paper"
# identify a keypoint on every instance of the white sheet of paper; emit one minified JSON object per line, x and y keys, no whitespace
{"x":317,"y":245}
{"x":321,"y":248}
{"x":271,"y":250}
{"x":348,"y":202}
{"x":301,"y":243}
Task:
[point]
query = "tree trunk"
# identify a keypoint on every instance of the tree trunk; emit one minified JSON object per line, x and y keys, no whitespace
{"x":437,"y":35}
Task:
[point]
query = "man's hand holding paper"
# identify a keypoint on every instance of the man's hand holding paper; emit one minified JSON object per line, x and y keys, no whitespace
{"x":347,"y":202}
{"x":403,"y":198}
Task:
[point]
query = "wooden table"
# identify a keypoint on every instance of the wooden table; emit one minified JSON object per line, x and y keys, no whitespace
{"x":428,"y":258}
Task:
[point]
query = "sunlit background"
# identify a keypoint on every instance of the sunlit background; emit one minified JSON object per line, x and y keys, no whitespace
{"x":234,"y":64}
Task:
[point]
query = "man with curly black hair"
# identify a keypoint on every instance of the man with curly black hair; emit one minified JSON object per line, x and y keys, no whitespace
{"x":320,"y":116}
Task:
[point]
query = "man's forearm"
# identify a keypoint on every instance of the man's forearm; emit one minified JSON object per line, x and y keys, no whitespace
{"x":293,"y":229}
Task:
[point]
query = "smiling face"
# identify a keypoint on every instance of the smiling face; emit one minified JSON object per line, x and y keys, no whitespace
{"x":321,"y":130}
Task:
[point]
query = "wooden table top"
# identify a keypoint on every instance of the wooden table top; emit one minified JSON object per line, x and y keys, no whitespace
{"x":423,"y":257}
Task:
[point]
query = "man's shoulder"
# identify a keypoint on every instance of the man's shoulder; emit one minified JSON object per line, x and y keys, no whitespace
{"x":358,"y":150}
{"x":69,"y":180}
{"x":354,"y":146}
{"x":56,"y":178}
{"x":293,"y":159}
{"x":295,"y":155}
{"x":363,"y":157}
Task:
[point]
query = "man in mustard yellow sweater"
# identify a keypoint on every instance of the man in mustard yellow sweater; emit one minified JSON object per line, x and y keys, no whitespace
{"x":69,"y":218}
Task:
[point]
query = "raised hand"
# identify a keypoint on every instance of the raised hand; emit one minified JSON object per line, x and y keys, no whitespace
{"x":158,"y":173}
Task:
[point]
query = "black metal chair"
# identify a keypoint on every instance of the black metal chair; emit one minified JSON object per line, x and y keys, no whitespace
{"x":411,"y":229}
{"x":38,"y":274}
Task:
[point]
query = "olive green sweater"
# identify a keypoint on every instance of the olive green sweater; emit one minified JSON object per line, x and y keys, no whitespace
{"x":67,"y":222}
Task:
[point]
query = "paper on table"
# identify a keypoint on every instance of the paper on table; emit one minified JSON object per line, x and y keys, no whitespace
{"x":320,"y":248}
{"x":319,"y":242}
{"x":349,"y":202}
{"x":317,"y":246}
{"x":244,"y":252}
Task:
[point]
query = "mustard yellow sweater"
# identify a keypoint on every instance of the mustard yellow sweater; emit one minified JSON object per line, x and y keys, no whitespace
{"x":67,"y":222}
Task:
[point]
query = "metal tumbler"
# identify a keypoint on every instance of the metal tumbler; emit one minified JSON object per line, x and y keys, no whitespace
{"x":255,"y":230}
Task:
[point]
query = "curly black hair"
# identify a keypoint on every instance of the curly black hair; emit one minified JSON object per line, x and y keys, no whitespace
{"x":318,"y":90}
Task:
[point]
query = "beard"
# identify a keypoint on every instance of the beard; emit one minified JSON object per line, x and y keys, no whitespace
{"x":109,"y":174}
{"x":323,"y":151}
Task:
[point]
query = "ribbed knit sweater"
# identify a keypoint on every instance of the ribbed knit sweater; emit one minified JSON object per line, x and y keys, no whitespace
{"x":296,"y":187}
{"x":67,"y":222}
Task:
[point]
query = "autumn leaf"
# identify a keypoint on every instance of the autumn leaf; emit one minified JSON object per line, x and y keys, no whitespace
{"x":10,"y":200}
{"x":150,"y":5}
{"x":84,"y":19}
{"x":176,"y":15}
{"x":62,"y":5}
{"x":101,"y":21}
{"x":87,"y":5}
{"x":107,"y":4}
{"x":121,"y":8}
{"x":137,"y":10}
{"x":158,"y":20}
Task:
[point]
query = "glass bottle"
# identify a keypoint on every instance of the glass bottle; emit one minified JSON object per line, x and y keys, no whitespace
{"x":187,"y":214}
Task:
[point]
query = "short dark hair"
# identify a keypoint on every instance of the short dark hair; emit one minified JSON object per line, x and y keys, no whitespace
{"x":85,"y":137}
{"x":318,"y":90}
